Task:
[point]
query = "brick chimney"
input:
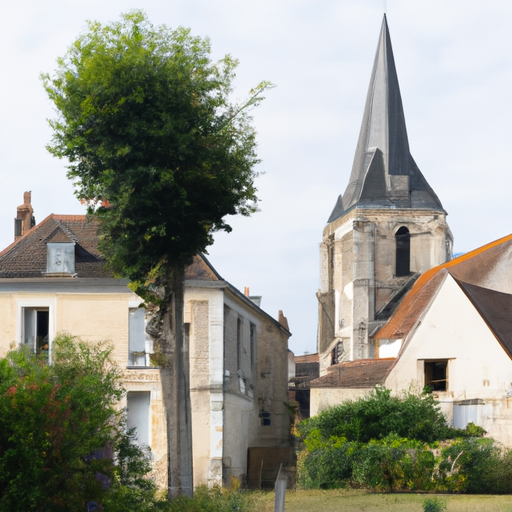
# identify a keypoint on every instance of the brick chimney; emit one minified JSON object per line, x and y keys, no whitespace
{"x":25,"y":219}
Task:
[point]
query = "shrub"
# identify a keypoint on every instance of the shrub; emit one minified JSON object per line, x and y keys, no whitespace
{"x":380,"y":414}
{"x":475,"y":465}
{"x":386,"y":442}
{"x":434,"y":505}
{"x":61,"y":430}
{"x":216,"y":499}
{"x":395,"y":464}
{"x":327,"y":466}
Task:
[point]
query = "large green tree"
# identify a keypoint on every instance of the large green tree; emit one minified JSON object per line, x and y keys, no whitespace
{"x":161,"y":154}
{"x":61,"y":430}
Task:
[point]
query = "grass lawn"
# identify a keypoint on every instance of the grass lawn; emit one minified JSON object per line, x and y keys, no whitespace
{"x":352,"y":500}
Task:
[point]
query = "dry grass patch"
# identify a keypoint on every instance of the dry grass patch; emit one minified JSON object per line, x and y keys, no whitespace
{"x":340,"y":500}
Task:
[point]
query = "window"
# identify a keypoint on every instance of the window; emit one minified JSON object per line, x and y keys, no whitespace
{"x":18,"y":228}
{"x":436,"y":375}
{"x":138,"y":347}
{"x":253,"y":343}
{"x":265,"y":418}
{"x":36,"y":330}
{"x":403,"y":252}
{"x":239,"y":346}
{"x":138,"y":415}
{"x":337,"y":353}
{"x":61,"y":258}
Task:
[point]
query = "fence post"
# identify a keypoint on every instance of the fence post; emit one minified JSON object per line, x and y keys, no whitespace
{"x":280,"y":490}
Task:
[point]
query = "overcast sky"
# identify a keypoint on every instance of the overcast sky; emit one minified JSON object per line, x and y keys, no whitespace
{"x":454,"y":63}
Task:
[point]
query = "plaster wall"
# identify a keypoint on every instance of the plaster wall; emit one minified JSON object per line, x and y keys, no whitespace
{"x":322,"y":398}
{"x":253,"y":388}
{"x":227,"y":393}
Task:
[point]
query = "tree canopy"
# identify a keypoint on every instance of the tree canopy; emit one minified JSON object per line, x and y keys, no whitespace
{"x":155,"y":145}
{"x":161,"y":154}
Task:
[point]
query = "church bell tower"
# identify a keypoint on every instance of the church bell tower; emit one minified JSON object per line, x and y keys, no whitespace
{"x":385,"y":230}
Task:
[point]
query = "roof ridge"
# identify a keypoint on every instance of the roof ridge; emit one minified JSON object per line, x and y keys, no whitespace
{"x":32,"y":230}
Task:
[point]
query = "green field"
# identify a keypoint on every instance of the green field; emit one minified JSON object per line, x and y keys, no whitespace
{"x":359,"y":501}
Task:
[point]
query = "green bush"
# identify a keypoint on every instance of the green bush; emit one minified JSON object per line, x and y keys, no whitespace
{"x":328,"y":466}
{"x":476,"y":466}
{"x":434,"y":505}
{"x":61,"y":431}
{"x":380,"y":414}
{"x":387,"y":442}
{"x":394,"y":464}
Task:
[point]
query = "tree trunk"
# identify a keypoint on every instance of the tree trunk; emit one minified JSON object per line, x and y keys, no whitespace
{"x":174,"y":376}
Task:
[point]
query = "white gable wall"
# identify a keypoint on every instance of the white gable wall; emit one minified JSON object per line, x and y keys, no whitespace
{"x":478,"y":366}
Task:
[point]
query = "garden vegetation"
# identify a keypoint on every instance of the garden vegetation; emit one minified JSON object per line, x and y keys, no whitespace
{"x":398,"y":443}
{"x":64,"y":444}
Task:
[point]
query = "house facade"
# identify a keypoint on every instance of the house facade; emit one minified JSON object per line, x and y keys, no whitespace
{"x":54,"y":280}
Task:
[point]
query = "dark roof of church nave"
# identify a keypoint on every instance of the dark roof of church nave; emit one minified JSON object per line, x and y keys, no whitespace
{"x":384,"y":174}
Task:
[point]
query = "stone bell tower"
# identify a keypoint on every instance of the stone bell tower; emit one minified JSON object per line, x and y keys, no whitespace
{"x":385,"y":230}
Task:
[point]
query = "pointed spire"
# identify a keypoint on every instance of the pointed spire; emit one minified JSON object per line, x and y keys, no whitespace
{"x":384,"y":173}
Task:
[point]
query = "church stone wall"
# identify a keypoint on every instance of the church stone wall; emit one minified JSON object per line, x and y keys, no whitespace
{"x":358,"y":267}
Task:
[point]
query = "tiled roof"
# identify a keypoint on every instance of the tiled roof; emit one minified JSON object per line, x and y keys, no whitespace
{"x":27,"y":256}
{"x":359,"y":374}
{"x":307,"y":358}
{"x":475,"y":267}
{"x":202,"y":270}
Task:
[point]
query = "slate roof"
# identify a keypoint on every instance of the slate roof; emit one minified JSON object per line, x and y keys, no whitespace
{"x":383,"y":147}
{"x":496,"y":310}
{"x":359,"y":374}
{"x":27,"y":256}
{"x":485,"y":267}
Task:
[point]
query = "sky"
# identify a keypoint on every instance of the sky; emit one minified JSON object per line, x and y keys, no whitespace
{"x":454,"y":64}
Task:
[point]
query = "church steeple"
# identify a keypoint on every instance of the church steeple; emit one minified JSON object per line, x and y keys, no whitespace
{"x":384,"y":174}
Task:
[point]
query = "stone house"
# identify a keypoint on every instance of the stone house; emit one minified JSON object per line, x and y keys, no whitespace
{"x":53,"y":279}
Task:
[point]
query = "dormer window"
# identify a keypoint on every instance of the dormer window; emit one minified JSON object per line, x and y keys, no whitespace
{"x":61,"y":258}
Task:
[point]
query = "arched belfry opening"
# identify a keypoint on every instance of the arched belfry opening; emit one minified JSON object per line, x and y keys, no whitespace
{"x":403,"y":252}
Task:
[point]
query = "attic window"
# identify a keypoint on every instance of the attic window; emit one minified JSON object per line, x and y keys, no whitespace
{"x":436,"y":375}
{"x":61,"y":258}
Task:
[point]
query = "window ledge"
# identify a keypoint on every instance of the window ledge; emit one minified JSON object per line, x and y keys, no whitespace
{"x":138,"y":367}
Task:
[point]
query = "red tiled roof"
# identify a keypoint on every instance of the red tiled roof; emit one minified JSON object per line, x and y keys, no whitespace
{"x":359,"y":374}
{"x":307,"y":358}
